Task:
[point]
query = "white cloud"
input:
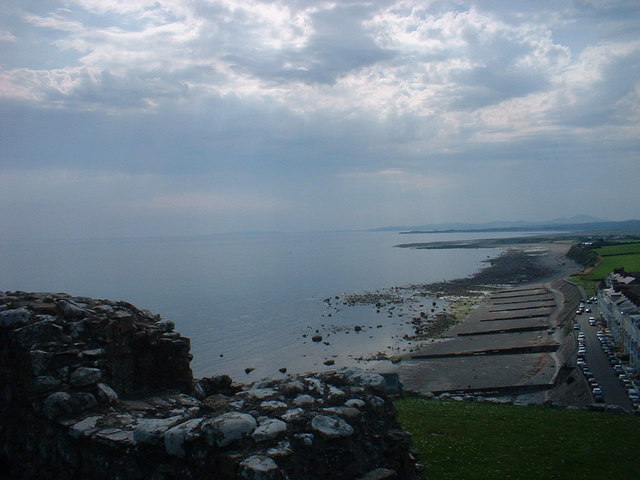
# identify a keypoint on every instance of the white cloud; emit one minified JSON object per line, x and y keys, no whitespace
{"x":422,"y":62}
{"x":56,"y":21}
{"x":6,"y":36}
{"x":299,"y":104}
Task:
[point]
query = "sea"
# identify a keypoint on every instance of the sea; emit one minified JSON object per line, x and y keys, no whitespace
{"x":255,"y":304}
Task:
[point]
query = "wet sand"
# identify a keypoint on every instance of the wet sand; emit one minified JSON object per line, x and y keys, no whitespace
{"x":519,"y":264}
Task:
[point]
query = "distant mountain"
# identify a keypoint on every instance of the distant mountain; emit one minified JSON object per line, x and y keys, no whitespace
{"x":578,"y":223}
{"x":576,"y":219}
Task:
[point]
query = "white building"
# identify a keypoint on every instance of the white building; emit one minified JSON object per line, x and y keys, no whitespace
{"x":618,"y":303}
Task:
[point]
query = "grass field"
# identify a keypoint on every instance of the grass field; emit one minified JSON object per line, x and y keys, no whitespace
{"x":622,"y":249}
{"x":626,"y":255}
{"x":472,"y":441}
{"x":616,"y":256}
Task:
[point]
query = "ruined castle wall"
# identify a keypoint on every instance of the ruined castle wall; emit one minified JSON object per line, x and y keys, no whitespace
{"x":102,"y":390}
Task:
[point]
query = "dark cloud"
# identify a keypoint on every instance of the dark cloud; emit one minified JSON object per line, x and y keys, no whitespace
{"x":484,"y":86}
{"x":338,"y":45}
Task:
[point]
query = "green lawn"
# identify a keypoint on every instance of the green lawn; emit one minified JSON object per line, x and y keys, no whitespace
{"x":471,"y":441}
{"x":631,"y":263}
{"x":625,"y":255}
{"x":623,"y":248}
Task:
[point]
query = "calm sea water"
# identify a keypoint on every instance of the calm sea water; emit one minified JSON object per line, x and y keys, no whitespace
{"x":249,"y":300}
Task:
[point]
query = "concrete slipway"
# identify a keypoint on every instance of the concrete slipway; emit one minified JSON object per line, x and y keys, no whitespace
{"x":508,"y":345}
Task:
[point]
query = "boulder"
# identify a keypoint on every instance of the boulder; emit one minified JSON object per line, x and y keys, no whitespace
{"x":343,"y":411}
{"x":261,"y":393}
{"x":282,"y":449}
{"x":380,"y":474}
{"x":176,"y":437}
{"x":70,"y":310}
{"x":46,"y":383}
{"x":81,"y":401}
{"x":355,"y":403}
{"x":115,"y":437}
{"x":366,"y":379}
{"x":228,"y":428}
{"x":83,"y":376}
{"x":57,"y":404}
{"x":85,"y":427}
{"x":106,"y":394}
{"x":304,"y":399}
{"x":273,"y":405}
{"x":269,"y":429}
{"x":41,"y":331}
{"x":14,"y":317}
{"x":331,"y":427}
{"x":293,"y":415}
{"x":63,"y":403}
{"x":151,"y":430}
{"x":259,"y":467}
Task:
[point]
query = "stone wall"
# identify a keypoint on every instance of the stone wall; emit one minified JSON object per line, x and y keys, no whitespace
{"x":102,"y":390}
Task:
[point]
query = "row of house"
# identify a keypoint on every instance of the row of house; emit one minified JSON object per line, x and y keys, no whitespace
{"x":619,"y":304}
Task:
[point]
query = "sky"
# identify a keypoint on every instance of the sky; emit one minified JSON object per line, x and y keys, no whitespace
{"x":125,"y":118}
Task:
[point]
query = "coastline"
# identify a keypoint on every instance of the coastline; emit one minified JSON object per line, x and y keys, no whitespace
{"x":376,"y":329}
{"x":519,"y":351}
{"x":520,"y":265}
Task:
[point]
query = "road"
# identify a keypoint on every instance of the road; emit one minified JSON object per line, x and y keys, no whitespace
{"x":612,"y":389}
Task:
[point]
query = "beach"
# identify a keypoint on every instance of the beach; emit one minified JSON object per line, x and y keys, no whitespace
{"x":507,"y":339}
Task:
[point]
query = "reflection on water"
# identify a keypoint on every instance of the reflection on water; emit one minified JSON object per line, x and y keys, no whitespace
{"x":246,"y":300}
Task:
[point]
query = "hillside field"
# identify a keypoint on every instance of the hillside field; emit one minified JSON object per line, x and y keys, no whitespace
{"x":485,"y":441}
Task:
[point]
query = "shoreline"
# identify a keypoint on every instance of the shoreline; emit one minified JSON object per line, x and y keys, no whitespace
{"x":521,"y":264}
{"x":374,"y":329}
{"x":471,"y":356}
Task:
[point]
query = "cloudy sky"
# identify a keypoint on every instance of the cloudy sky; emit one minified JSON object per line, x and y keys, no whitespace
{"x":172,"y":117}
